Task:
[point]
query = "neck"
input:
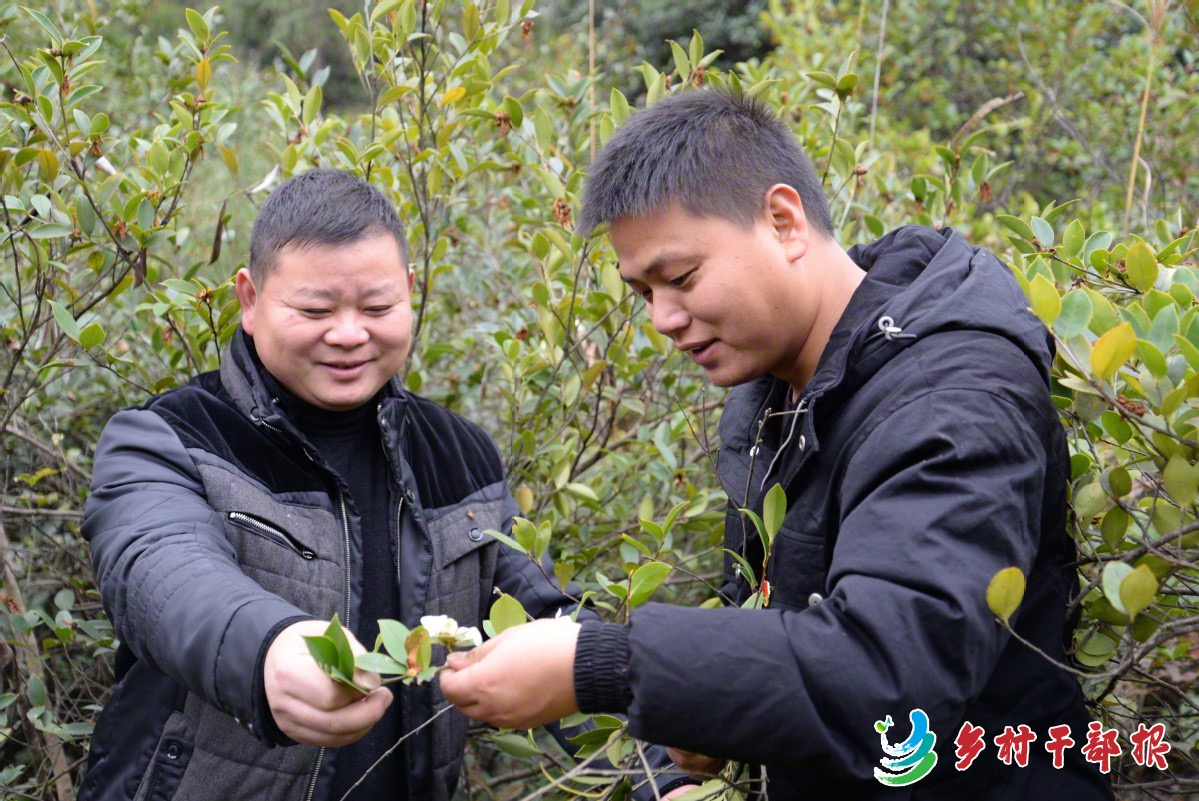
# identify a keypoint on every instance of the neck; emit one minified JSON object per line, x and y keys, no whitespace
{"x":834,"y":277}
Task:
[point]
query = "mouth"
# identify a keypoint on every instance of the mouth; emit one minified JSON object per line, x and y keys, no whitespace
{"x":698,"y":351}
{"x":345,"y":367}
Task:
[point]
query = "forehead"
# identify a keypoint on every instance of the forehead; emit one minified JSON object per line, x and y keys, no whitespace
{"x":330,"y":268}
{"x":647,"y":244}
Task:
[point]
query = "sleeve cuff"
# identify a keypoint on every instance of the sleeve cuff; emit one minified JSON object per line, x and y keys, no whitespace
{"x":263,"y":726}
{"x":601,"y":668}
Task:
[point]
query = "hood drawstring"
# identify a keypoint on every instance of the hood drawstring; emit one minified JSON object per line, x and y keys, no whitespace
{"x":799,"y":410}
{"x":891,"y":331}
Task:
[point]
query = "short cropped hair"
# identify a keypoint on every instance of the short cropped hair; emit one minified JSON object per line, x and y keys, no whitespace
{"x":714,"y":152}
{"x":320,"y":207}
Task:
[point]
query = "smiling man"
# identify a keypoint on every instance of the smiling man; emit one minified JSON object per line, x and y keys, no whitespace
{"x":899,"y":394}
{"x":232,"y":516}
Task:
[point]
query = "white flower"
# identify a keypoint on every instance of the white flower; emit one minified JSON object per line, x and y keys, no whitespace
{"x":439,"y":625}
{"x":446,"y":629}
{"x":469,"y":635}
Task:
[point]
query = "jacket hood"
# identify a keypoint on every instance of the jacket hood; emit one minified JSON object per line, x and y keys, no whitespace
{"x":919,"y":282}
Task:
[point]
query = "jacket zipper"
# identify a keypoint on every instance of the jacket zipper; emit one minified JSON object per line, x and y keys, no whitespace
{"x":345,"y":530}
{"x":400,"y":504}
{"x":255,"y":524}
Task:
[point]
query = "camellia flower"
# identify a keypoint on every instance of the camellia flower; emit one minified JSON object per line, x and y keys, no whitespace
{"x":445,"y":628}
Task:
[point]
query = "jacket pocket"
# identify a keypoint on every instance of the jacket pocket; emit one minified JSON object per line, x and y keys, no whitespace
{"x":169,"y":762}
{"x":798,"y":573}
{"x":265,"y":528}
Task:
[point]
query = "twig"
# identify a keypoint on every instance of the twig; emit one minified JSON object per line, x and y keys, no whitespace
{"x":391,"y":750}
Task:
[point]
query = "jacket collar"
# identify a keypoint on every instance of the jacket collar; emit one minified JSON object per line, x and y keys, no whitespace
{"x":249,"y":386}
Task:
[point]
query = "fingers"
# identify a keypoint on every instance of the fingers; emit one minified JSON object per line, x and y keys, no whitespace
{"x":697,"y":766}
{"x":339,"y":727}
{"x":306,"y":704}
{"x":521,"y":679}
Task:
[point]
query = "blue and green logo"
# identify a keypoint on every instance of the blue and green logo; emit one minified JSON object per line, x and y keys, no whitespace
{"x":911,"y":760}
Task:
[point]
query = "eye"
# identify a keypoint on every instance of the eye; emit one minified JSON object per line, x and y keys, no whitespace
{"x":682,"y":279}
{"x":378,"y":311}
{"x":314,"y":312}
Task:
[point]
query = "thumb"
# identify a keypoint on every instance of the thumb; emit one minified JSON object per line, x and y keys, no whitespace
{"x":379,"y":699}
{"x":460,"y":660}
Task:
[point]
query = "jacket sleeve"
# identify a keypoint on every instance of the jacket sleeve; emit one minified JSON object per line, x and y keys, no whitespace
{"x":932,"y":505}
{"x":168,"y":577}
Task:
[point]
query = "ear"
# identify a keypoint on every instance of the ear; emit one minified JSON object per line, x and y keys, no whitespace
{"x":411,"y":282}
{"x":247,"y":296}
{"x":785,"y":214}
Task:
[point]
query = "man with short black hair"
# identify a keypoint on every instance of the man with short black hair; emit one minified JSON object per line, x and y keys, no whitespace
{"x":234,"y":515}
{"x":899,"y":394}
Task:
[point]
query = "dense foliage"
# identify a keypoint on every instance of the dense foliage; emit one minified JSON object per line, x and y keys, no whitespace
{"x":132,"y":160}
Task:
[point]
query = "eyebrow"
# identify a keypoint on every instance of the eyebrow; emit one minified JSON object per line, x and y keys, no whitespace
{"x":315,"y":293}
{"x":660,"y":262}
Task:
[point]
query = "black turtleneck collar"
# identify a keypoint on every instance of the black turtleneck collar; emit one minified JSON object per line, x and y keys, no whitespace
{"x":313,"y":421}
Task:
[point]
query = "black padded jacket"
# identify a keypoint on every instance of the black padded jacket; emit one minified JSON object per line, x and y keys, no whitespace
{"x":924,"y":456}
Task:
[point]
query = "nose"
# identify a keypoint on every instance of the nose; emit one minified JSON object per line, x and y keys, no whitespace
{"x":668,"y":317}
{"x":347,"y":330}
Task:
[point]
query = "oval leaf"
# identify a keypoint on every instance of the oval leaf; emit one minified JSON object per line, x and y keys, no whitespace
{"x":1137,"y":590}
{"x":1112,"y":350}
{"x":645,"y":580}
{"x":1005,"y":592}
{"x":1114,"y":574}
{"x":1141,"y":266}
{"x":506,"y":612}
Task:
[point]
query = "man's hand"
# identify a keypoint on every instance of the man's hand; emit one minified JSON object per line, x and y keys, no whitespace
{"x":697,"y":766}
{"x":520,"y":679}
{"x":308,"y":706}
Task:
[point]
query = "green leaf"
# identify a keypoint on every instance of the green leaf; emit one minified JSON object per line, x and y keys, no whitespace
{"x":49,"y":231}
{"x":324,"y":651}
{"x":56,"y":37}
{"x":393,"y":635}
{"x":1005,"y":592}
{"x":514,"y":745}
{"x":336,"y":634}
{"x":506,"y":612}
{"x":1115,"y":524}
{"x":1181,"y":479}
{"x":645,"y":580}
{"x":582,"y":492}
{"x":198,"y":26}
{"x":1137,"y":590}
{"x":35,"y":688}
{"x":1112,"y":350}
{"x":774,"y":509}
{"x":526,"y":534}
{"x":1043,"y":231}
{"x":91,"y":335}
{"x":1046,"y":302}
{"x":380,"y":663}
{"x":1140,"y":264}
{"x":312,"y":104}
{"x":1074,"y":316}
{"x":1016,"y":226}
{"x":1114,"y":574}
{"x":1073,"y":238}
{"x":66,"y":323}
{"x":759,"y":526}
{"x":1089,"y":501}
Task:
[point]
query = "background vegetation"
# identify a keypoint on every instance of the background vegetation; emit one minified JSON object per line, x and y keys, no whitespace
{"x":136,"y":141}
